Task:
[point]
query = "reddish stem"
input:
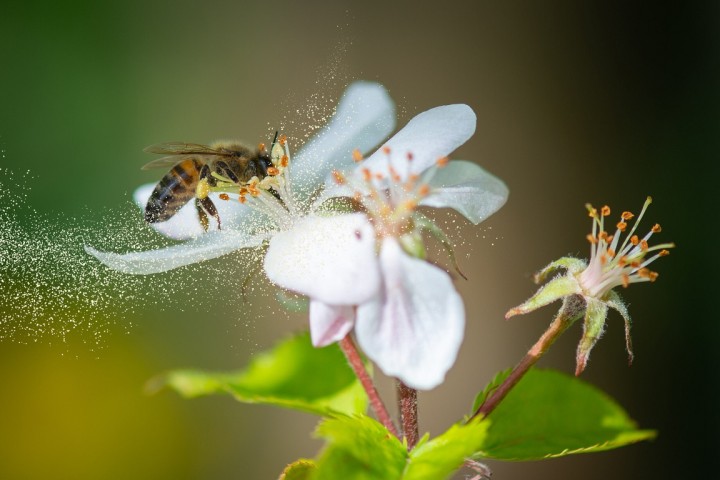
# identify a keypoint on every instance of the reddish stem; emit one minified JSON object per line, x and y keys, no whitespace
{"x":353,"y":356}
{"x":407,"y":404}
{"x":561,"y":323}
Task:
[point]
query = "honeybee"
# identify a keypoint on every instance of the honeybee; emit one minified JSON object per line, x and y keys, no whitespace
{"x":195,"y":169}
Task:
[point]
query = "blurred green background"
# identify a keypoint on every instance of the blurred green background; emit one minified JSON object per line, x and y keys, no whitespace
{"x":576,"y":102}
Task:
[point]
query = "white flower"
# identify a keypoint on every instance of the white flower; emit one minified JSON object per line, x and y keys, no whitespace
{"x":407,"y":316}
{"x":364,"y":117}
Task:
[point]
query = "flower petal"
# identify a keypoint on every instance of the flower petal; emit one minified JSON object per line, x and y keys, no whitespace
{"x":364,"y":117}
{"x":413,"y":330}
{"x":330,"y":259}
{"x":468,"y":189}
{"x":432,"y":135}
{"x":213,"y":244}
{"x":185,"y":224}
{"x":329,"y":323}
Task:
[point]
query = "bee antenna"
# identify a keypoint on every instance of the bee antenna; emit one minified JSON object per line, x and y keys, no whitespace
{"x":275,"y":139}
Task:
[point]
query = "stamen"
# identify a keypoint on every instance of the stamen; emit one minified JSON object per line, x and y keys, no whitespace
{"x":605,"y":211}
{"x":621,"y":226}
{"x":611,"y":252}
{"x":242,"y":199}
{"x":338,"y":177}
{"x":282,"y":140}
{"x":442,"y":161}
{"x":224,"y":196}
{"x":664,"y":253}
{"x":272,"y":171}
{"x":591,"y":238}
{"x":357,"y":156}
{"x":634,"y":240}
{"x":644,"y":246}
{"x":656,"y":228}
{"x":625,"y":280}
{"x":627,"y":215}
{"x":410,"y":205}
{"x":424,"y":189}
{"x":367,"y":174}
{"x":284,"y":161}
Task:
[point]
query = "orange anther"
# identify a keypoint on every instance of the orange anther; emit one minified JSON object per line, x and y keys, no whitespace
{"x":357,"y":156}
{"x":338,"y":177}
{"x":634,"y":240}
{"x":622,"y":261}
{"x":591,"y":238}
{"x":603,"y":259}
{"x":664,"y":253}
{"x":635,"y":264}
{"x":224,"y":196}
{"x":242,"y":199}
{"x":424,"y":189}
{"x":625,"y":280}
{"x":261,"y":147}
{"x":605,"y":211}
{"x":442,"y":161}
{"x":272,"y":171}
{"x":282,"y":140}
{"x":656,"y":228}
{"x":386,"y":150}
{"x":592,"y":212}
{"x":603,"y":235}
{"x":284,"y":161}
{"x":621,"y":226}
{"x":394,"y":174}
{"x":367,"y":174}
{"x":379,"y":176}
{"x":644,"y":245}
{"x":611,"y":252}
{"x":627,"y":215}
{"x":243,"y":191}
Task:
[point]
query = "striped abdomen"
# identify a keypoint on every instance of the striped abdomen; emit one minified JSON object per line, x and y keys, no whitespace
{"x":173,"y":191}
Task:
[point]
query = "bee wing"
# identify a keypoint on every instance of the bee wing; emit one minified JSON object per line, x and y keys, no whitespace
{"x":183,"y":148}
{"x":164,"y":162}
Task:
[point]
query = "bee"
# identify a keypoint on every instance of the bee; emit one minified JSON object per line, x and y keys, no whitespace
{"x":195,"y":169}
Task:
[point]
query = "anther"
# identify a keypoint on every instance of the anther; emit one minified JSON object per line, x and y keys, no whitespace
{"x":622,"y":261}
{"x":242,"y":199}
{"x":592,"y":212}
{"x":442,"y":161}
{"x":634,"y":240}
{"x":367,"y":174}
{"x":379,"y":176}
{"x":627,"y":215}
{"x":338,"y":177}
{"x":591,"y":238}
{"x":394,"y":174}
{"x":410,"y":205}
{"x":424,"y":189}
{"x":611,"y":252}
{"x":603,"y":259}
{"x":357,"y":156}
{"x":664,"y":253}
{"x":282,"y":140}
{"x":656,"y":228}
{"x":261,"y":147}
{"x":644,"y":246}
{"x":284,"y":161}
{"x":603,"y":235}
{"x":386,"y":150}
{"x":625,"y":280}
{"x":224,"y":196}
{"x":605,"y":211}
{"x":272,"y":171}
{"x":621,"y":226}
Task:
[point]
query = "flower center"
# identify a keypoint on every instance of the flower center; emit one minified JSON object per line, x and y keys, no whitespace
{"x":613,"y":263}
{"x":392,"y":197}
{"x":271,"y":194}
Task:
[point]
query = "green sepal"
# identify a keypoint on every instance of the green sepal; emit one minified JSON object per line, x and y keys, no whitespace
{"x":293,"y":375}
{"x":497,"y":380}
{"x":572,"y":265}
{"x":551,"y":414}
{"x":614,"y":301}
{"x":425,"y":224}
{"x":412,"y":243}
{"x":555,"y":289}
{"x":358,"y":448}
{"x":593,"y":328}
{"x":301,"y":469}
{"x":444,"y":454}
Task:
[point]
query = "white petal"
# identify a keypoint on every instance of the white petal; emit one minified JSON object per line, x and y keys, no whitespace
{"x":330,"y":259}
{"x":211,"y":245}
{"x":414,"y":329}
{"x":364,"y":117}
{"x":329,"y":323}
{"x":185,"y":224}
{"x":468,"y":189}
{"x":429,"y":136}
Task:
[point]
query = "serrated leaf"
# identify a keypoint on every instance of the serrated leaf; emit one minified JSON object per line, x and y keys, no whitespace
{"x":300,"y":469}
{"x":294,"y":375}
{"x":552,"y":414}
{"x":489,"y":388}
{"x":440,"y":457}
{"x":359,"y":448}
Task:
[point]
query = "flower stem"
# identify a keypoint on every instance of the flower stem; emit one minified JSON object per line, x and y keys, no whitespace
{"x":407,"y":405}
{"x":353,"y":356}
{"x":565,"y":317}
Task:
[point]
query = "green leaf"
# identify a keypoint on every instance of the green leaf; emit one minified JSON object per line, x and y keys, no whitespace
{"x":359,"y":448}
{"x":551,"y":414}
{"x":494,"y":384}
{"x":294,"y":375}
{"x":301,"y":469}
{"x":444,"y":454}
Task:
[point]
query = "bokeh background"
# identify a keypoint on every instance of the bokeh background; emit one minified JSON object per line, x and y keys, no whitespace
{"x":577,"y":102}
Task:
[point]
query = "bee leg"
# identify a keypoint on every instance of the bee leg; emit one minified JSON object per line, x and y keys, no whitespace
{"x":208,"y":208}
{"x":201,"y":213}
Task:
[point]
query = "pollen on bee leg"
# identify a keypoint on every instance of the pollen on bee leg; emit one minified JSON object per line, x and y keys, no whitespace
{"x":224,"y":196}
{"x":261,"y":147}
{"x":357,"y":156}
